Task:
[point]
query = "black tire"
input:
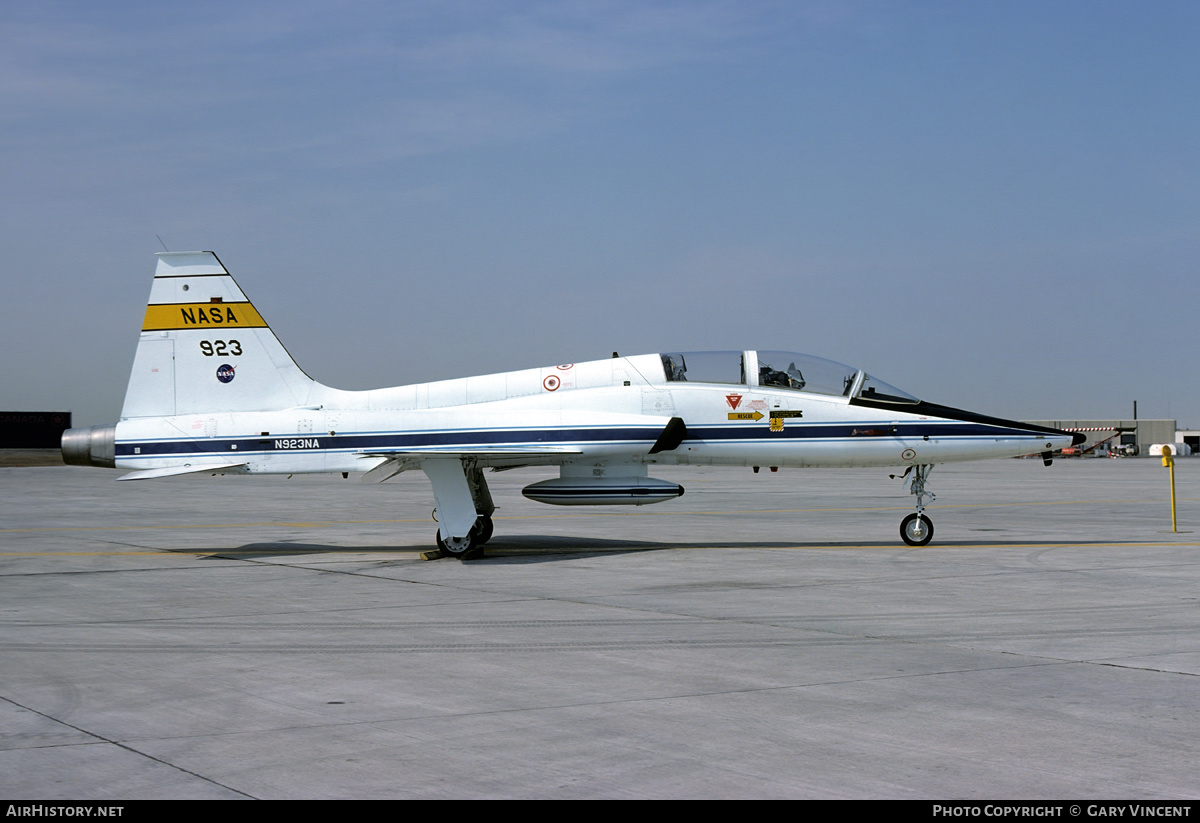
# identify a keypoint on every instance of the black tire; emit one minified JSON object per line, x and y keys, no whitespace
{"x":916,"y":530}
{"x":483,"y":529}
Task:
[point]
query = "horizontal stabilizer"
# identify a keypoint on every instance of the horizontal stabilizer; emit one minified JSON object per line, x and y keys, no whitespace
{"x":221,"y":468}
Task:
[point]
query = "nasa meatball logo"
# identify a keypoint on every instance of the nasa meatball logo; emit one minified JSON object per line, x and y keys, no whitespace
{"x":225,"y":372}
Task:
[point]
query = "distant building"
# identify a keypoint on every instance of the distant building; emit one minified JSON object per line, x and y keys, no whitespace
{"x":1132,"y":437}
{"x":1190,"y":437}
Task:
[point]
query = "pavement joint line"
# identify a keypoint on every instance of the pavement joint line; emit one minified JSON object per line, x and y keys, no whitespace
{"x":125,"y":746}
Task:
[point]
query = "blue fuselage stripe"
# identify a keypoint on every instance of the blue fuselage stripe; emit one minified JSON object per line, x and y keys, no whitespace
{"x":492,"y":438}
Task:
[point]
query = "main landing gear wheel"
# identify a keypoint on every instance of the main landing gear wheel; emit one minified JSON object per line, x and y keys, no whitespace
{"x":464,"y":548}
{"x":916,"y":530}
{"x":483,"y":529}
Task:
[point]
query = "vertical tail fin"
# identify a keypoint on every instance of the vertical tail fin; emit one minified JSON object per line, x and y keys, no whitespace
{"x":205,"y":349}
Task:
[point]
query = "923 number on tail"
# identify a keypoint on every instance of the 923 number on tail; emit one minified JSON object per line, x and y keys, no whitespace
{"x":221,"y":348}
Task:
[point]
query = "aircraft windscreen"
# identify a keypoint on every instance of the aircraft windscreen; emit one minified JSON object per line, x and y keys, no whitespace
{"x":804,"y":372}
{"x":875,"y":389}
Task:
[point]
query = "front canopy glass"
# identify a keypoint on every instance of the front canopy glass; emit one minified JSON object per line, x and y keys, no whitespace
{"x":789,"y":370}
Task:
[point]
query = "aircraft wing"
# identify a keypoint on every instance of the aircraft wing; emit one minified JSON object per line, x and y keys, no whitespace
{"x":506,"y":455}
{"x":399,"y":460}
{"x":220,"y":468}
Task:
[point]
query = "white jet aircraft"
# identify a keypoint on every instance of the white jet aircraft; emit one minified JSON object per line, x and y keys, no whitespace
{"x":213,"y":390}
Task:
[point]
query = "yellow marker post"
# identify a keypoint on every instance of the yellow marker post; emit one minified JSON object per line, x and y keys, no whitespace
{"x":1169,"y":462}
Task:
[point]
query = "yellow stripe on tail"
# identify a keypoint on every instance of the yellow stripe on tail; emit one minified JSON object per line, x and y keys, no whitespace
{"x":175,"y":316}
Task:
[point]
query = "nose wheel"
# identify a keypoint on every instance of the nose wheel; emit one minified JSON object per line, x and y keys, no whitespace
{"x":916,"y":529}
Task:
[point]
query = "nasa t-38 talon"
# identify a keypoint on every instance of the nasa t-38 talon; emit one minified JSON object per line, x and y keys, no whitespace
{"x":213,"y":390}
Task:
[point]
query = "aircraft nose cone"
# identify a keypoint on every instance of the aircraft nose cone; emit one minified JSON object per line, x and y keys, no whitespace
{"x":1077,"y":438}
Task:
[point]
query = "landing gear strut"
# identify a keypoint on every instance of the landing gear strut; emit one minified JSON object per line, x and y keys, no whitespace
{"x":917,"y":529}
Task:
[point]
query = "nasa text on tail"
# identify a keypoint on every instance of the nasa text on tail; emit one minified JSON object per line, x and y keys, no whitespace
{"x":213,"y":390}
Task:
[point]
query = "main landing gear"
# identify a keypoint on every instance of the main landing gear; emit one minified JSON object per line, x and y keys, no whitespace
{"x":464,"y":507}
{"x":917,"y":529}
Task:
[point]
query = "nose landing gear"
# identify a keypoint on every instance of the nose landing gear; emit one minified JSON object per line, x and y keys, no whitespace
{"x":917,"y":529}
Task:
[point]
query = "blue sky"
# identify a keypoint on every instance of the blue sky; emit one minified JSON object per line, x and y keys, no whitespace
{"x":990,"y":205}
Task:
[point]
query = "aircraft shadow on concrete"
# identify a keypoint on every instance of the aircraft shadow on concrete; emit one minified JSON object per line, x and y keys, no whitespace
{"x":544,"y":548}
{"x":523,"y":548}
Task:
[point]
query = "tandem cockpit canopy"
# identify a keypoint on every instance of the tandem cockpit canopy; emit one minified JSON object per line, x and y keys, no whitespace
{"x":780,"y":369}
